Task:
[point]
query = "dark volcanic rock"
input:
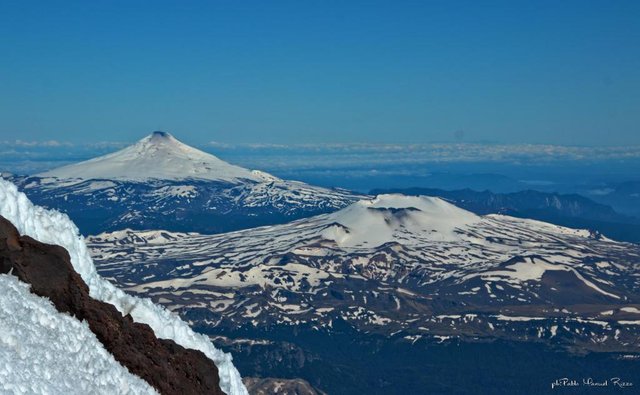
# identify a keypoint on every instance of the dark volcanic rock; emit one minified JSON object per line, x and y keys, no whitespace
{"x":167,"y":366}
{"x":268,"y":386}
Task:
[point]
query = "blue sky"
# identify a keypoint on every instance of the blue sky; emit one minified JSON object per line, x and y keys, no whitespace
{"x":557,"y":72}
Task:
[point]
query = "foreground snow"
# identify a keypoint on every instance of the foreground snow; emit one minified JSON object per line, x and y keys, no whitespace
{"x":52,"y":227}
{"x":43,"y":351}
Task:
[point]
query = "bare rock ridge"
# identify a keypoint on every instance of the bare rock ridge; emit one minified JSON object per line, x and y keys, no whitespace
{"x":165,"y":365}
{"x":268,"y":386}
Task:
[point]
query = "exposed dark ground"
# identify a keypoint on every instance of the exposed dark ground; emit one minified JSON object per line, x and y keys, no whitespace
{"x":346,"y":362}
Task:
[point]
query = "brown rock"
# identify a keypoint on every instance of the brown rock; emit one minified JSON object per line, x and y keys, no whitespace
{"x":165,"y":365}
{"x":270,"y":385}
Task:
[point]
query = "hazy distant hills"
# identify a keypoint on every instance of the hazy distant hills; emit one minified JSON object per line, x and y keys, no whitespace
{"x":625,"y":196}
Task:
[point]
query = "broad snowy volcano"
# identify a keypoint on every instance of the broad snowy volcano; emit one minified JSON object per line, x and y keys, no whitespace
{"x":161,"y":183}
{"x":418,"y":266}
{"x":392,"y":283}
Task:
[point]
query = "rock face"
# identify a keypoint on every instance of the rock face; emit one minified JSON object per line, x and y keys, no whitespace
{"x":269,"y":386}
{"x":168,"y":367}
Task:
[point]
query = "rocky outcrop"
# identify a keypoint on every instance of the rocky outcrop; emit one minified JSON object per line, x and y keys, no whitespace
{"x":167,"y":366}
{"x":268,"y":386}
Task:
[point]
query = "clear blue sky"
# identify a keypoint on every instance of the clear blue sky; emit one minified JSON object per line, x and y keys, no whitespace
{"x":562,"y":72}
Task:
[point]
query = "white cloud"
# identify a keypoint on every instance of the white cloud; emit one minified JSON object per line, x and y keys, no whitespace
{"x":29,"y":156}
{"x":35,"y":143}
{"x":438,"y":152}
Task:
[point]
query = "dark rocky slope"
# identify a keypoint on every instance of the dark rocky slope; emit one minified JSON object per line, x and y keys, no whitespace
{"x":268,"y":386}
{"x":167,"y":366}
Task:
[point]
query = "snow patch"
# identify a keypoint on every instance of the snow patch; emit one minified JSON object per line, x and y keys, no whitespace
{"x":533,"y":269}
{"x":502,"y":317}
{"x":629,"y":322}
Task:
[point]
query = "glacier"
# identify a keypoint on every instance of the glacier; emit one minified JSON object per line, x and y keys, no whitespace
{"x":53,"y":227}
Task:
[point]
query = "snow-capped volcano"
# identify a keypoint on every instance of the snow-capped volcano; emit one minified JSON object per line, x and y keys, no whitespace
{"x":161,"y":183}
{"x":157,"y":156}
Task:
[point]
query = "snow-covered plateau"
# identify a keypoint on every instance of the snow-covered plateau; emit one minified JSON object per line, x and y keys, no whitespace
{"x":418,"y":267}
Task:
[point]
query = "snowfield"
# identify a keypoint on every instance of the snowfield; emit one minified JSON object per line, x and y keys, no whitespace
{"x":52,"y":227}
{"x":43,"y":351}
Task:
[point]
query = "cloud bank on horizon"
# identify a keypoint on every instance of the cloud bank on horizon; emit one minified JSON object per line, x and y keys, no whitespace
{"x":26,"y":157}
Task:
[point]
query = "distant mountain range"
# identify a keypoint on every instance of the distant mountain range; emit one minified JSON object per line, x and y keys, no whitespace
{"x":395,"y":272}
{"x":570,"y":210}
{"x":161,"y":183}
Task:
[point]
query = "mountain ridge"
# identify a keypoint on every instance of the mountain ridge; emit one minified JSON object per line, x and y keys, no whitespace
{"x":55,"y":228}
{"x":165,"y":365}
